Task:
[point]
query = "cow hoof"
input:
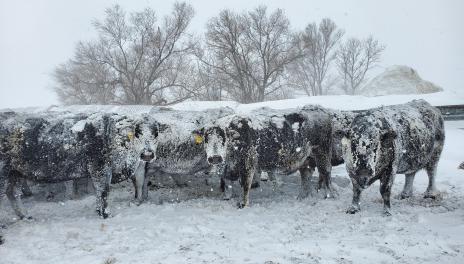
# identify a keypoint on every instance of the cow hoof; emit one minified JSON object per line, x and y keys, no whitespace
{"x":2,"y":240}
{"x":241,"y":205}
{"x":105,"y":215}
{"x":352,"y":210}
{"x":26,"y":217}
{"x":431,"y":195}
{"x":386,"y":213}
{"x":303,"y":195}
{"x":403,"y":196}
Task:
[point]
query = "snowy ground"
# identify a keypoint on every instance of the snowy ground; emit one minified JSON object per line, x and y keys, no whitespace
{"x":193,"y":224}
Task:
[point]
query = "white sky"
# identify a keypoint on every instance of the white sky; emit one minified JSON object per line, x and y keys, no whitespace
{"x":35,"y":36}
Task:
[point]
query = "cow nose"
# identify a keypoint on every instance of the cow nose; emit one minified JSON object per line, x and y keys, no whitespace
{"x":215,"y":159}
{"x":147,"y":155}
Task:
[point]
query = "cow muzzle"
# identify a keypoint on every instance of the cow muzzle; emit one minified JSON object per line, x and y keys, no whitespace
{"x":147,"y":155}
{"x":214,"y":160}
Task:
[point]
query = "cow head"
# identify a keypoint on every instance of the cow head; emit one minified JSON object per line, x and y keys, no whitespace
{"x":367,"y":147}
{"x":221,"y":140}
{"x":214,"y":141}
{"x":136,"y":139}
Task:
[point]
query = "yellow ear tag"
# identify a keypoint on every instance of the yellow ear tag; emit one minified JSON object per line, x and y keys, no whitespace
{"x":130,"y":135}
{"x":198,"y":139}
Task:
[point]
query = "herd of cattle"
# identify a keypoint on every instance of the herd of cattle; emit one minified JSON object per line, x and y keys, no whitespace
{"x":375,"y":144}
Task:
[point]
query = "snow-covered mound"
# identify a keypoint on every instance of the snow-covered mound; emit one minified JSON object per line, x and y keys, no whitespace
{"x":340,"y":102}
{"x":399,"y":80}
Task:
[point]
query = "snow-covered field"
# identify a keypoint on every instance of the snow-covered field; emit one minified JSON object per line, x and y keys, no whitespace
{"x":193,"y":225}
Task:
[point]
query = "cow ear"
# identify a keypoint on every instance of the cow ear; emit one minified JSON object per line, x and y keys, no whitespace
{"x":137,"y":130}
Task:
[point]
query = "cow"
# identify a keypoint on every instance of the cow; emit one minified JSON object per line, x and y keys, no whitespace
{"x":59,"y":147}
{"x":389,"y":140}
{"x":275,"y":141}
{"x":178,"y":151}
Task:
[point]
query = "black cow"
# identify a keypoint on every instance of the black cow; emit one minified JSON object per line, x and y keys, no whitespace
{"x":58,"y":147}
{"x":393,"y":139}
{"x":275,"y":141}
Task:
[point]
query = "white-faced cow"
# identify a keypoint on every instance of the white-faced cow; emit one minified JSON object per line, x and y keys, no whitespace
{"x":393,"y":139}
{"x":57,"y":147}
{"x":179,"y":152}
{"x":275,"y":141}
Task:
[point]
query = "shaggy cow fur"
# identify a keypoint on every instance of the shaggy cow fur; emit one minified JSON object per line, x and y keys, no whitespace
{"x":275,"y":141}
{"x":52,"y":148}
{"x":393,"y":139}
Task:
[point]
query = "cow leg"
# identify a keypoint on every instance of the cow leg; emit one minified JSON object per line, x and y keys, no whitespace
{"x":246,"y":184}
{"x":305,"y":174}
{"x":355,"y":205}
{"x":274,"y":179}
{"x":408,"y":183}
{"x":135,"y":187}
{"x":325,"y":181}
{"x":247,"y":177}
{"x":101,"y":181}
{"x":2,"y":192}
{"x":15,"y":199}
{"x":25,"y":188}
{"x":226,"y":186}
{"x":71,"y":189}
{"x":385,"y":190}
{"x":431,"y":191}
{"x":140,"y":182}
{"x":145,"y":189}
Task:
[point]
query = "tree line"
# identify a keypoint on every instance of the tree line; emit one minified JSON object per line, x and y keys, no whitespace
{"x":249,"y":56}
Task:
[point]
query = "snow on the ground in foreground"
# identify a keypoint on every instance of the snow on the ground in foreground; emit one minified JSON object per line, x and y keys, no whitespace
{"x":194,"y":225}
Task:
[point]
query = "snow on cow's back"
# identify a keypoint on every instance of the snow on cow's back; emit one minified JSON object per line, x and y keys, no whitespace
{"x":179,"y":124}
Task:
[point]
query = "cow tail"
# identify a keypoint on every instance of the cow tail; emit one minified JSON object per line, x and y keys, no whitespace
{"x":107,"y":132}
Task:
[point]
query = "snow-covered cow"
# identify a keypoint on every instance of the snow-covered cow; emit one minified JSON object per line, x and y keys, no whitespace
{"x":57,"y":147}
{"x":393,"y":139}
{"x":178,"y":152}
{"x":275,"y":141}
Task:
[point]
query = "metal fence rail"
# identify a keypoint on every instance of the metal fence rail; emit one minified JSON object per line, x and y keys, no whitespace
{"x":452,"y":112}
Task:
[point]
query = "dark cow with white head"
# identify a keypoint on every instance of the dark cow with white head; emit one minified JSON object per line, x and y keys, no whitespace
{"x":275,"y":141}
{"x":179,"y":153}
{"x":55,"y":147}
{"x":393,"y":139}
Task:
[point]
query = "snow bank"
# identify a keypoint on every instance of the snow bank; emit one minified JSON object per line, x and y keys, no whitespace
{"x":341,"y":102}
{"x":399,"y":80}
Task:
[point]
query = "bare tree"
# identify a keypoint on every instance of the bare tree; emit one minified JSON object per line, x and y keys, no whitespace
{"x":84,"y":81}
{"x":249,"y":52}
{"x":354,"y":59}
{"x":316,"y":44}
{"x":143,"y":57}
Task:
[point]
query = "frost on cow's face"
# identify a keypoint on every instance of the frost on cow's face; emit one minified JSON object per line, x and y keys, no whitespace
{"x":215,"y":145}
{"x":135,"y":139}
{"x":362,"y":149}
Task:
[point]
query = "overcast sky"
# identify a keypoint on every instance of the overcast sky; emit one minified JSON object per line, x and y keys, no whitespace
{"x":35,"y":36}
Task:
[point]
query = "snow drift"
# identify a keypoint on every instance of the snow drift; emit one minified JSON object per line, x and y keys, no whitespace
{"x":399,"y":80}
